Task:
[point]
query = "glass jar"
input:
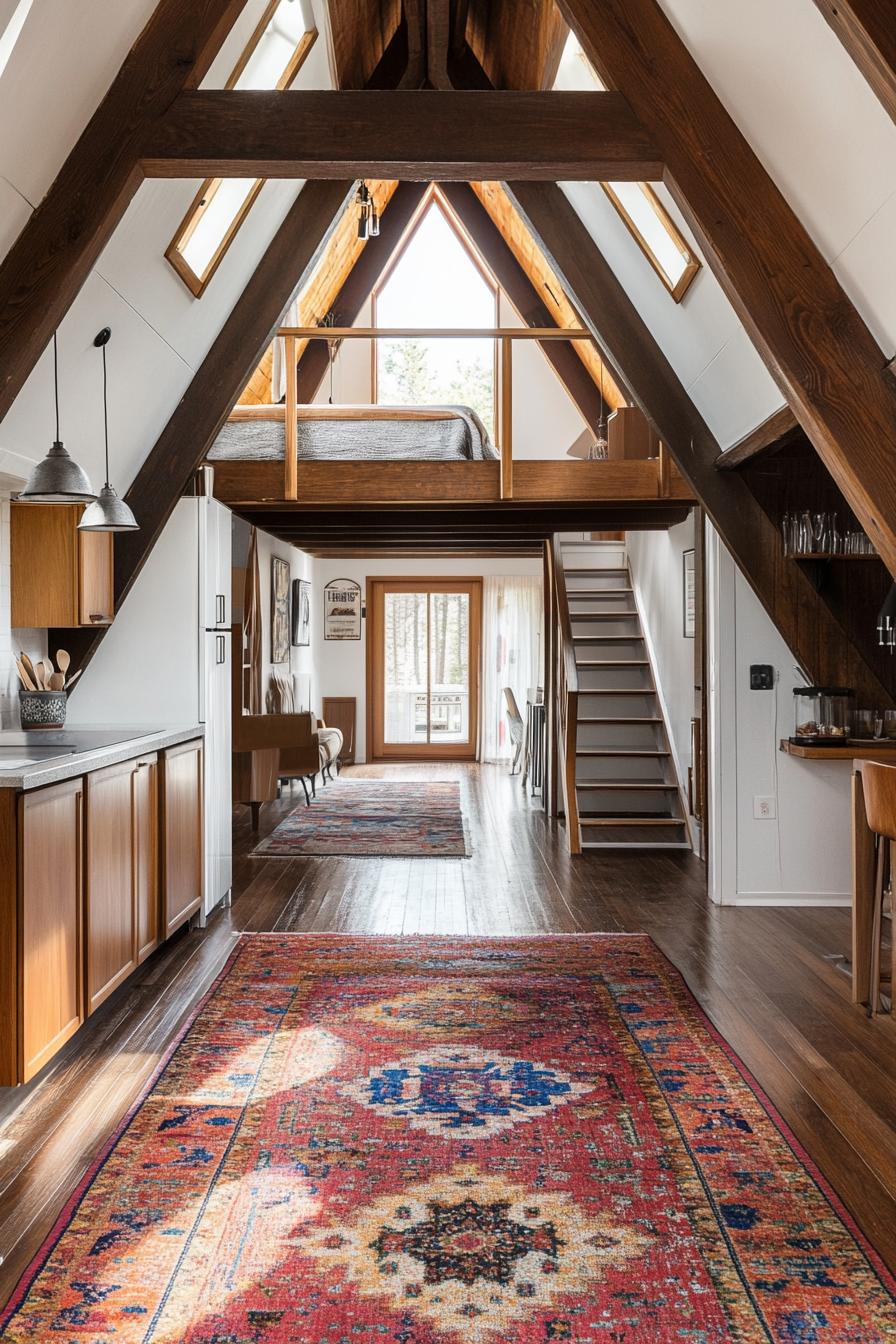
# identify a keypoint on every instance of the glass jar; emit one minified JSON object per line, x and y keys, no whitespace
{"x":822,"y":714}
{"x":864,"y":724}
{"x":890,"y":723}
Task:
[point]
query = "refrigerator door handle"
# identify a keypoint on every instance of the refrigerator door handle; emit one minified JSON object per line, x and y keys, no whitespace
{"x":220,"y":654}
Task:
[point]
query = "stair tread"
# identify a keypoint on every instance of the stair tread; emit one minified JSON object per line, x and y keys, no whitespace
{"x":602,"y":615}
{"x":597,"y":592}
{"x":643,"y":718}
{"x":620,"y":751}
{"x":634,"y":786}
{"x":606,"y":639}
{"x":612,"y":662}
{"x":617,"y":690}
{"x":630,"y":820}
{"x":635,"y":844}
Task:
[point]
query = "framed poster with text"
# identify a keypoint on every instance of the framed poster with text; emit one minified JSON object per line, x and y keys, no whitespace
{"x":342,"y":609}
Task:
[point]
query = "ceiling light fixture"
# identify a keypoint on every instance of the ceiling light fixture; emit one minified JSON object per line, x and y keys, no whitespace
{"x":368,"y":219}
{"x":601,"y":444}
{"x":107,"y":513}
{"x":57,"y":479}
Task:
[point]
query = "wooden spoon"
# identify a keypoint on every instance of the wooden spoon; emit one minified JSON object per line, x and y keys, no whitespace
{"x":71,"y":681}
{"x":29,"y":667}
{"x":24,"y":677}
{"x":39,"y":675}
{"x":63,"y":660}
{"x":56,"y":681}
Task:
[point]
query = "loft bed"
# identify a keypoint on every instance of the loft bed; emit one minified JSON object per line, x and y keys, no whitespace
{"x":356,"y":434}
{"x":336,"y":455}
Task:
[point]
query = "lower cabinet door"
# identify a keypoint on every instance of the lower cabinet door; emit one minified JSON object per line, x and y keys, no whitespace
{"x":111,"y":905}
{"x":146,"y":855}
{"x":51,"y":895}
{"x":182,"y":831}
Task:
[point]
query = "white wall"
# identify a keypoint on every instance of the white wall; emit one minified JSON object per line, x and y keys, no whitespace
{"x":803,"y":856}
{"x":655,"y":560}
{"x":301,"y":659}
{"x":341,"y":668}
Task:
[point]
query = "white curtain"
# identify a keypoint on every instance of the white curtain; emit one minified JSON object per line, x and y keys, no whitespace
{"x":278,"y":365}
{"x":512,"y":642}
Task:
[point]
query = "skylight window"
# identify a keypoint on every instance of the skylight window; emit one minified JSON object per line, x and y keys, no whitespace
{"x":637,"y":203}
{"x":10,"y":35}
{"x":271,"y":60}
{"x":435,"y":281}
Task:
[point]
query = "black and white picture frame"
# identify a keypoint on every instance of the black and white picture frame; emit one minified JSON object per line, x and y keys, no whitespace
{"x":301,"y":613}
{"x":689,"y":594}
{"x":279,"y":610}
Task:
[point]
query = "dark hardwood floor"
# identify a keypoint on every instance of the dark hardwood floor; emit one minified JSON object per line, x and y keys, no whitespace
{"x":761,"y":975}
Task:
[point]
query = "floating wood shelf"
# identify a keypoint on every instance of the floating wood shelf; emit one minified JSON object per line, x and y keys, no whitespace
{"x":872,"y":751}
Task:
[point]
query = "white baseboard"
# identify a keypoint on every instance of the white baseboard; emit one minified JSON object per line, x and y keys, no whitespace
{"x":805,"y":898}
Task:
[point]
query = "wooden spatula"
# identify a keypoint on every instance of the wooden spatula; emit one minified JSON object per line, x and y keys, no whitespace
{"x":29,"y":667}
{"x":24,"y":677}
{"x":63,"y":661}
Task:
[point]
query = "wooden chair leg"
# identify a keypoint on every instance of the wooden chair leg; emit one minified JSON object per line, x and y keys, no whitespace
{"x":307,"y":794}
{"x":874,"y":969}
{"x":255,"y":809}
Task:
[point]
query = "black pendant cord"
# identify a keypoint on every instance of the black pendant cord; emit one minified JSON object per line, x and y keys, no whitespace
{"x":56,"y":382}
{"x":106,"y":416}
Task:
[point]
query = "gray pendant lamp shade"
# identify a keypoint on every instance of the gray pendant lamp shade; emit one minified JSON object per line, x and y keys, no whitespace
{"x":107,"y":513}
{"x":57,"y":479}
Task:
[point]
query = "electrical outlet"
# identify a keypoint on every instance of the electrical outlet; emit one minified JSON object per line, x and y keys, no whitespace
{"x":764,"y":807}
{"x":762,"y":677}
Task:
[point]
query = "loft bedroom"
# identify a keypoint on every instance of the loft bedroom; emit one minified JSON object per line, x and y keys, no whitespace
{"x":530,"y":407}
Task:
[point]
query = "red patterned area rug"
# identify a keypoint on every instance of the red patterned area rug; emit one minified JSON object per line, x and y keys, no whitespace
{"x":440,"y":1141}
{"x":385,"y":817}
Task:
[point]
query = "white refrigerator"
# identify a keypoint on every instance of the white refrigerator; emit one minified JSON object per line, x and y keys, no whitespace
{"x":215,"y":696}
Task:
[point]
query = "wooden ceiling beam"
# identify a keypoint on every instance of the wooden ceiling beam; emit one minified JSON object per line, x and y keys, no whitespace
{"x":780,"y":427}
{"x":53,"y":255}
{"x":813,"y":341}
{"x":754,"y":540}
{"x":402,"y":133}
{"x":867,"y":29}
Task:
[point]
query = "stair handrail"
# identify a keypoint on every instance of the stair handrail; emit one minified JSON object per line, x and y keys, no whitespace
{"x":567,"y":691}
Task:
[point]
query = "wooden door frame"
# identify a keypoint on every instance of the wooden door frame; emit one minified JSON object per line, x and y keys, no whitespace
{"x":375,"y":592}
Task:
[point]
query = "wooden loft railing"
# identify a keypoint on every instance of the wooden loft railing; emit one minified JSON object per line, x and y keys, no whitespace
{"x":566,"y":691}
{"x":506,"y":335}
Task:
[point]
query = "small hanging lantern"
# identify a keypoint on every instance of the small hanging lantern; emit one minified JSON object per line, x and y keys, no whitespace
{"x":57,"y":479}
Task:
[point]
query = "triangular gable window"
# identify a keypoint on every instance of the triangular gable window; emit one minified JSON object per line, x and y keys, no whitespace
{"x":436,"y":281}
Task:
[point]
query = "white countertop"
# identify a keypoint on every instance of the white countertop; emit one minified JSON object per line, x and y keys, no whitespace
{"x":31,"y":759}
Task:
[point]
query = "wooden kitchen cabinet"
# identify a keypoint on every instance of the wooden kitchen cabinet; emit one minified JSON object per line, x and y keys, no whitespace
{"x":60,"y":576}
{"x":122,"y":924}
{"x":182,"y":833}
{"x":50,"y":918}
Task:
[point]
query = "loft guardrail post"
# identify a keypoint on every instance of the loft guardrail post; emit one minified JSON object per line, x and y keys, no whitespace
{"x":291,"y":443}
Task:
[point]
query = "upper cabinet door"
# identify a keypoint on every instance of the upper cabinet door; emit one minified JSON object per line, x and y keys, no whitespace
{"x":60,"y":576}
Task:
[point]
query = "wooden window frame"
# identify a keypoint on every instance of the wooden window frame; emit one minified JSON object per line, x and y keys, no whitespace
{"x":197,"y":284}
{"x":692,"y":262}
{"x":376,"y":589}
{"x":435,"y":197}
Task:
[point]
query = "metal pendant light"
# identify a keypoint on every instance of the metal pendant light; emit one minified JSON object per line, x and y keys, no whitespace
{"x":107,"y":513}
{"x":57,"y":479}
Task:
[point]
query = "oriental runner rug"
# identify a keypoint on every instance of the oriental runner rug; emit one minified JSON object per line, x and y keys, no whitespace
{"x":383,"y":817}
{"x":452,"y":1141}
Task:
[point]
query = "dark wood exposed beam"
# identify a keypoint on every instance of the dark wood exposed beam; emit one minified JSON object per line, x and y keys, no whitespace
{"x":401,"y":133}
{"x":53,"y":255}
{"x":813,"y":340}
{"x":361,"y":280}
{"x":779,"y":428}
{"x":867,"y":29}
{"x":821,"y":644}
{"x":438,"y":42}
{"x":525,"y":298}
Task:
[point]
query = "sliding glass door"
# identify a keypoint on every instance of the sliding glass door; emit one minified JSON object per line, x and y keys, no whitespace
{"x":424,"y":655}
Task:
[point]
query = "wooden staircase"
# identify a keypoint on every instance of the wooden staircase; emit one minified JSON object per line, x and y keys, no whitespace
{"x":620,"y":786}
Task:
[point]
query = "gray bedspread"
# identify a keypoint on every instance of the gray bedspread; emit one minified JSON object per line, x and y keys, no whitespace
{"x":460,"y":437}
